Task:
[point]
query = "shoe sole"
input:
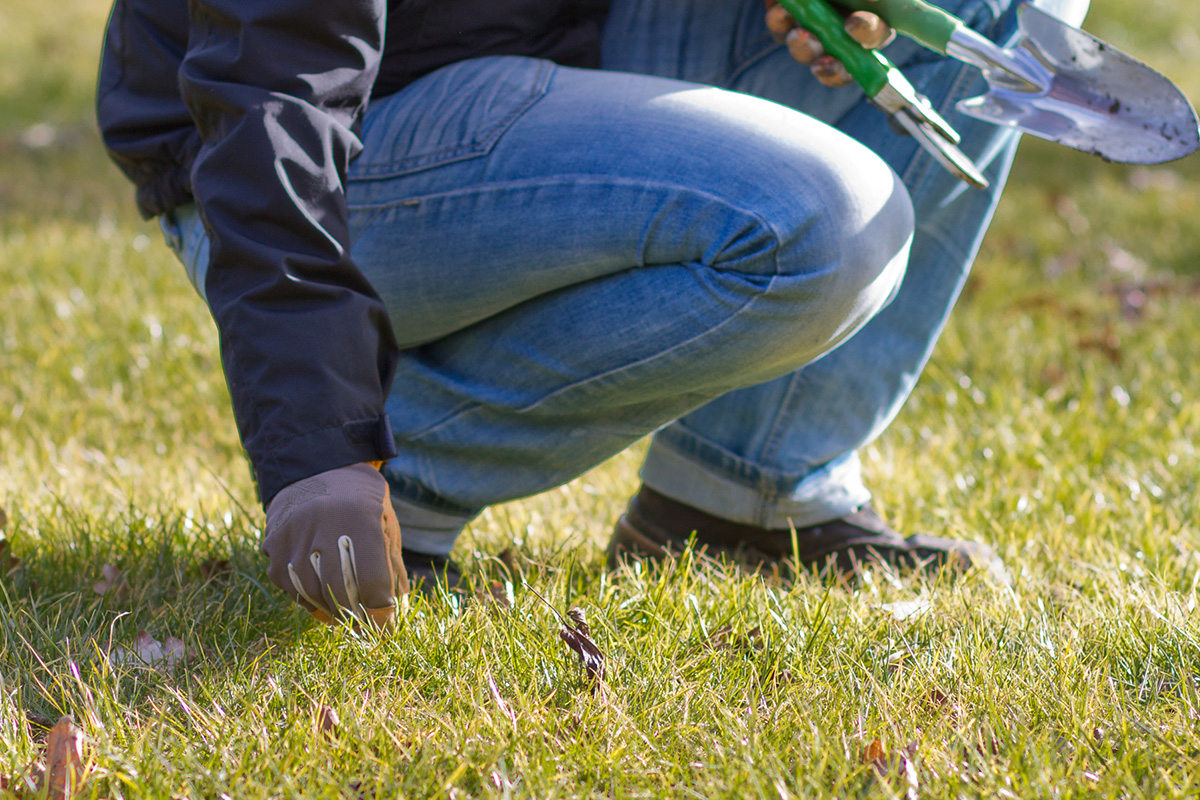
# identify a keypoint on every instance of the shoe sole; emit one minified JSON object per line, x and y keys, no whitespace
{"x":629,"y":543}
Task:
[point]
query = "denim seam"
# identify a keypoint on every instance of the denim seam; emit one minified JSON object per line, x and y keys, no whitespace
{"x":400,"y":484}
{"x":459,"y":152}
{"x":570,"y":180}
{"x":561,"y":390}
{"x":648,"y":359}
{"x":775,"y":436}
{"x":592,"y":378}
{"x":749,"y":61}
{"x":944,"y":238}
{"x":755,"y":484}
{"x":767,"y":481}
{"x":461,"y":408}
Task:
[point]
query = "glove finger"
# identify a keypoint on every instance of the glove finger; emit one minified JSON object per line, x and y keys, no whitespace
{"x":373,"y":567}
{"x":365,"y":572}
{"x":347,"y":562}
{"x":381,"y":616}
{"x":393,"y":542}
{"x":295,"y":577}
{"x":320,"y":614}
{"x":310,"y":593}
{"x":328,"y":567}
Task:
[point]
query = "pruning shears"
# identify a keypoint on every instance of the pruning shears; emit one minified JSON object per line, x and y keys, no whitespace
{"x":887,"y":88}
{"x":1051,"y":80}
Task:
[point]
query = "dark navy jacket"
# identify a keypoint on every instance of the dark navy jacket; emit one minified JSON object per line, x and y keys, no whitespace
{"x":252,"y":110}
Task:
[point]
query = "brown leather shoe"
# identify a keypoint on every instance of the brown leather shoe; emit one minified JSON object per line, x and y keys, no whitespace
{"x":655,"y":526}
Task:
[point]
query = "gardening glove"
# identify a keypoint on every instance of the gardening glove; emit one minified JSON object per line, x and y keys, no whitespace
{"x":864,"y":27}
{"x":334,"y":545}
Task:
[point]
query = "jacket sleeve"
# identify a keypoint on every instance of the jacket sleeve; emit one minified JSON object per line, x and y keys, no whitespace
{"x":277,"y":89}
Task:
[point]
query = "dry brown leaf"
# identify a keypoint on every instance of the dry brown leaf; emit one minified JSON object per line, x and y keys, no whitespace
{"x":3,"y":517}
{"x":496,"y":593}
{"x":577,"y":634}
{"x":899,"y":763}
{"x":1106,"y":342}
{"x":8,"y":562}
{"x":149,"y":652}
{"x":112,"y":580}
{"x":509,"y":559}
{"x":64,"y":761}
{"x":724,"y":638}
{"x":328,"y":721}
{"x":873,"y":753}
{"x":579,"y":639}
{"x":215,"y":569}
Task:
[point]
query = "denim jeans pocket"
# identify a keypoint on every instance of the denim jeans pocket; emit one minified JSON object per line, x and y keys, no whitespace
{"x":458,"y":112}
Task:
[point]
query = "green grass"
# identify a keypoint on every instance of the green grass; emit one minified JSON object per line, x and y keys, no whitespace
{"x":1058,"y":421}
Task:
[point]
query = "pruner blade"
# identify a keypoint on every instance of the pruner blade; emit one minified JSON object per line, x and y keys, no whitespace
{"x":914,"y":113}
{"x":887,"y":88}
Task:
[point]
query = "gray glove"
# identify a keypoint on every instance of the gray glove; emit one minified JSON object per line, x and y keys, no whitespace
{"x":334,"y":545}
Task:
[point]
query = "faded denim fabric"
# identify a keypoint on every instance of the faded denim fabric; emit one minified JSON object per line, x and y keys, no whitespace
{"x":572,"y":259}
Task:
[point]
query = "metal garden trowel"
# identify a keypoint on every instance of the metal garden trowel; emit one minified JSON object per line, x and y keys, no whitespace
{"x":1052,"y":80}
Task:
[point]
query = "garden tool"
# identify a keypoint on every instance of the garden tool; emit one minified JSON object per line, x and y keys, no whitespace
{"x":1052,"y":80}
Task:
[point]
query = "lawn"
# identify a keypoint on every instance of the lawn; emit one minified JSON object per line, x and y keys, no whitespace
{"x":1056,"y":421}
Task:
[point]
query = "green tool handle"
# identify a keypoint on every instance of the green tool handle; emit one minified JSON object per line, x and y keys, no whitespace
{"x":869,"y":69}
{"x":916,"y":19}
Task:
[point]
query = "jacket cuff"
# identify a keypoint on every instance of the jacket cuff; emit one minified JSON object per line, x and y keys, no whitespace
{"x":313,"y":453}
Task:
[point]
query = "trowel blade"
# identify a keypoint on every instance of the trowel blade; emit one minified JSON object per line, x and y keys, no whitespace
{"x":1089,"y":96}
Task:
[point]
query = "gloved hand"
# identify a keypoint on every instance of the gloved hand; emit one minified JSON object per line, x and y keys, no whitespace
{"x":866,"y":28}
{"x":334,"y":545}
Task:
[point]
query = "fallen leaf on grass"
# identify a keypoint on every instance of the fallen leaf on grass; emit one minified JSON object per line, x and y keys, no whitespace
{"x":149,"y":652}
{"x":579,"y":639}
{"x":577,"y":634}
{"x":509,"y":559}
{"x":328,"y":721}
{"x":1106,"y":342}
{"x":215,"y":569}
{"x":8,"y":562}
{"x":496,"y":593}
{"x":63,"y":771}
{"x":112,"y":580}
{"x":900,"y":763}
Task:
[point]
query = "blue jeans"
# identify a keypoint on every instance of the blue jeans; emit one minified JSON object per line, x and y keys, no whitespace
{"x":696,"y":241}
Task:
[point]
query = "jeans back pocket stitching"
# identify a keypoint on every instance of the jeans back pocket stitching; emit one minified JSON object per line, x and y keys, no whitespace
{"x":461,"y":152}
